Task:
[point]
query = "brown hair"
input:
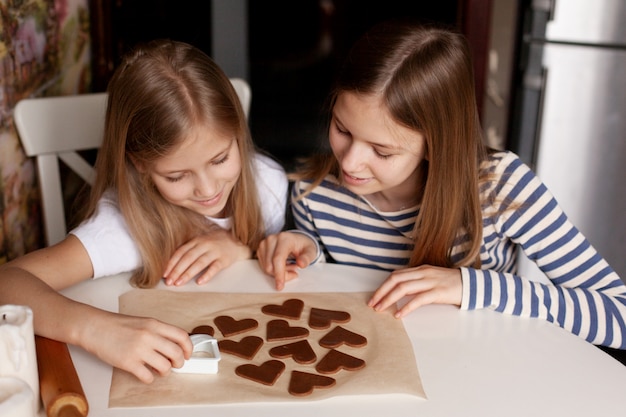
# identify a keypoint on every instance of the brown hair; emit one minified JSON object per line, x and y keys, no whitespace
{"x":160,"y":91}
{"x":425,"y":78}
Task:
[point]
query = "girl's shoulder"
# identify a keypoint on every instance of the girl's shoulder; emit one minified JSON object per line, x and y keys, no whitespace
{"x":506,"y":181}
{"x":503,"y":172}
{"x":328,"y":181}
{"x":268,"y":171}
{"x":503,"y":165}
{"x":107,"y":203}
{"x":264,"y":163}
{"x":500,"y":160}
{"x":309,"y":186}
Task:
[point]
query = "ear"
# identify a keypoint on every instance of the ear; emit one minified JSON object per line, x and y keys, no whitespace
{"x":139,"y":166}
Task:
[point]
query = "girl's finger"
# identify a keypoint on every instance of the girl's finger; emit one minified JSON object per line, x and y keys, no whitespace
{"x":210,"y":272}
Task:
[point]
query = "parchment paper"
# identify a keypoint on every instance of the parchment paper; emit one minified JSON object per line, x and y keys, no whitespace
{"x":390,"y":362}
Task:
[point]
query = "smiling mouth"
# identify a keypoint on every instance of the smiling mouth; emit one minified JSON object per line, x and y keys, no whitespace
{"x":210,"y":201}
{"x":354,"y":180}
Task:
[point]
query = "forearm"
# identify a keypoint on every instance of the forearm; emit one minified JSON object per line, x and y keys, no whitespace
{"x":139,"y":345}
{"x":598,"y":316}
{"x":54,"y":315}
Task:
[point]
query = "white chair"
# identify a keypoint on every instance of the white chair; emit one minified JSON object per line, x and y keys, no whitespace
{"x":53,"y":128}
{"x":244,"y":92}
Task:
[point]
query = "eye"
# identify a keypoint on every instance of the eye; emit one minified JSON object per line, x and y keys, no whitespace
{"x":341,"y":130}
{"x":381,"y":155}
{"x":221,"y":160}
{"x":174,"y":179}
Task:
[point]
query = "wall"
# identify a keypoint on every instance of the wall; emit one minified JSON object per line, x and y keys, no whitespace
{"x":44,"y":50}
{"x":500,"y":68}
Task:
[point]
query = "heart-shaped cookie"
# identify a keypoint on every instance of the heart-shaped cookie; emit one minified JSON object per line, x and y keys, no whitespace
{"x":203,"y":329}
{"x":303,"y":383}
{"x":230,"y":327}
{"x":246,"y":348}
{"x":290,"y":309}
{"x":300,"y":351}
{"x":321,"y":319}
{"x":339,"y":336}
{"x":281,"y":330}
{"x":334,"y":361}
{"x":267,"y":373}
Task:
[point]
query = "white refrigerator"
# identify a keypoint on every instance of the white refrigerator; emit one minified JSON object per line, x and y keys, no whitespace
{"x":569,"y":117}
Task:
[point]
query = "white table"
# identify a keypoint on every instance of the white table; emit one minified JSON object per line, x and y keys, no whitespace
{"x":471,"y":362}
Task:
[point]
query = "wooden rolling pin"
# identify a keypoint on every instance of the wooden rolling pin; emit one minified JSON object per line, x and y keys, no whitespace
{"x":61,"y":391}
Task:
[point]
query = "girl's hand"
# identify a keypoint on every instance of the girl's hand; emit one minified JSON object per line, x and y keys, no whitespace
{"x":283,"y":254}
{"x":211,"y":252}
{"x":426,"y":284}
{"x":142,"y":346}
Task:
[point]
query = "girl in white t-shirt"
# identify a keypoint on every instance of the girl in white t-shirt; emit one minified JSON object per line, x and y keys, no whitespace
{"x":180,"y":192}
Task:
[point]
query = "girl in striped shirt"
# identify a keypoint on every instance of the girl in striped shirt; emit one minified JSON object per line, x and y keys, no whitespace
{"x":409,"y":187}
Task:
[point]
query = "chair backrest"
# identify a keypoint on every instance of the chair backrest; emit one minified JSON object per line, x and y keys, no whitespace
{"x":53,"y":128}
{"x":244,"y":92}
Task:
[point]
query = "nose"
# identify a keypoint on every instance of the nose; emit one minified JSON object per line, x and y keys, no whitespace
{"x":205,"y":185}
{"x":352,"y":157}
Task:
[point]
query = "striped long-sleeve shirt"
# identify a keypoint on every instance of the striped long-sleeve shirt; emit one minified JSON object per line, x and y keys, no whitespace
{"x":584,"y":295}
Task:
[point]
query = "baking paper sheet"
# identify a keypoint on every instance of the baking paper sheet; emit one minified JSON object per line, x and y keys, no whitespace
{"x":390,"y":361}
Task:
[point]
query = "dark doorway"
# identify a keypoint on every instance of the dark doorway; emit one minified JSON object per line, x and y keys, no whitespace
{"x":294,"y":48}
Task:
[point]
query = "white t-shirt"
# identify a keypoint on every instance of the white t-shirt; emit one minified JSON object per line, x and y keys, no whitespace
{"x":112,"y":250}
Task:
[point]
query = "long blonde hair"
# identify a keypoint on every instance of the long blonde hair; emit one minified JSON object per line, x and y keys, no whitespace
{"x":425,"y":78}
{"x":159,"y":92}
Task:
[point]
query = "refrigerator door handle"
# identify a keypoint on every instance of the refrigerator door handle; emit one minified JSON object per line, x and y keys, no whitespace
{"x":526,"y":124}
{"x":539,"y":84}
{"x":534,"y":85}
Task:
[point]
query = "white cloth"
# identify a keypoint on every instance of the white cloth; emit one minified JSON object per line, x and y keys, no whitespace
{"x":112,"y":250}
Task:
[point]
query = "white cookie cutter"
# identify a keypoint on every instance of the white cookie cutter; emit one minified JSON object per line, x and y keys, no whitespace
{"x":205,"y":356}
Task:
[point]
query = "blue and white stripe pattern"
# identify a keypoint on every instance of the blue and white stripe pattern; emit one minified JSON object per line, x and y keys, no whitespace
{"x":585,"y":296}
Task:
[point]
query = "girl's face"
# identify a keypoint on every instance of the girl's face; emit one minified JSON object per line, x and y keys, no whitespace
{"x":378,"y":157}
{"x":201,"y":173}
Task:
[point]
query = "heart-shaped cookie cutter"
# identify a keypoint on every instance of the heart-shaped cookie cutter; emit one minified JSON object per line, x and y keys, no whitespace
{"x":205,"y":356}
